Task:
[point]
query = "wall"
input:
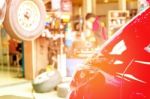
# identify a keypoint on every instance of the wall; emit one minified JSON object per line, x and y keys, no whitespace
{"x":102,"y":9}
{"x":77,"y":10}
{"x":132,"y":5}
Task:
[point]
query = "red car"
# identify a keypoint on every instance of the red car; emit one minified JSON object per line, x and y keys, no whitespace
{"x":121,"y":68}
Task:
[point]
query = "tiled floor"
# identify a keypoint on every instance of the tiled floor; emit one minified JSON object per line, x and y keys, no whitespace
{"x":25,"y":90}
{"x":9,"y":78}
{"x":12,"y":86}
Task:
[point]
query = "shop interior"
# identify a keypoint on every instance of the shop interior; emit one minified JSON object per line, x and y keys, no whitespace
{"x":53,"y":41}
{"x":65,"y":40}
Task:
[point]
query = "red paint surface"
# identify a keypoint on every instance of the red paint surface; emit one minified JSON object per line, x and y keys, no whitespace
{"x":130,"y":79}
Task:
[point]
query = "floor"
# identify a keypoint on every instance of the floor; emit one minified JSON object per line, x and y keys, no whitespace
{"x":9,"y":78}
{"x":25,"y":91}
{"x":12,"y":87}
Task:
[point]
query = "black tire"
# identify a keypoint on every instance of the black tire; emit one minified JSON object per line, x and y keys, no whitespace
{"x":46,"y":81}
{"x":20,"y":10}
{"x":2,"y":11}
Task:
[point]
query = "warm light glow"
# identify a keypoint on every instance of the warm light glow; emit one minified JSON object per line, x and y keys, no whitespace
{"x":2,"y":4}
{"x":105,"y":1}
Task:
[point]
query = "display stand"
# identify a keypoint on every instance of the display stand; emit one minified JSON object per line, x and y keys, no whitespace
{"x":61,"y":59}
{"x":4,"y":49}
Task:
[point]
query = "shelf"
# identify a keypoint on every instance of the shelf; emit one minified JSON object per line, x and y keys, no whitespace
{"x":115,"y":26}
{"x":116,"y":19}
{"x":123,"y":18}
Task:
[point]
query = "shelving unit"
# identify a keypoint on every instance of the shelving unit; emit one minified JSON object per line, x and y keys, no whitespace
{"x":4,"y":49}
{"x":116,"y":19}
{"x":133,"y":12}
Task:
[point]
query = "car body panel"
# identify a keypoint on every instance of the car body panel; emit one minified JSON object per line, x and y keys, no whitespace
{"x":121,"y":66}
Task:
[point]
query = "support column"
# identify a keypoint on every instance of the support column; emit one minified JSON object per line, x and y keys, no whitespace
{"x":80,"y":11}
{"x":29,"y":59}
{"x":122,"y":4}
{"x":94,"y":6}
{"x":77,"y":10}
{"x":89,"y":6}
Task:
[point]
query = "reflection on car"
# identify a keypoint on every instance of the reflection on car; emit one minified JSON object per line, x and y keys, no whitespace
{"x":121,"y":68}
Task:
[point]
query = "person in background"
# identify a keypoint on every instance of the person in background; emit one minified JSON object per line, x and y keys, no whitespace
{"x":19,"y":59}
{"x":13,"y":52}
{"x":95,"y":32}
{"x":100,"y":31}
{"x":78,"y":38}
{"x":88,"y":33}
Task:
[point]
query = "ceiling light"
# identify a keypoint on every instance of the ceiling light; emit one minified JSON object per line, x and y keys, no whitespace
{"x":105,"y":1}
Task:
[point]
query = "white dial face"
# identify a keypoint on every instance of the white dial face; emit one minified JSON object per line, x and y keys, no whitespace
{"x":28,"y":15}
{"x":2,"y":3}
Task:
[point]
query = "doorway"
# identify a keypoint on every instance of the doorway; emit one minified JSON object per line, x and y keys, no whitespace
{"x":11,"y":59}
